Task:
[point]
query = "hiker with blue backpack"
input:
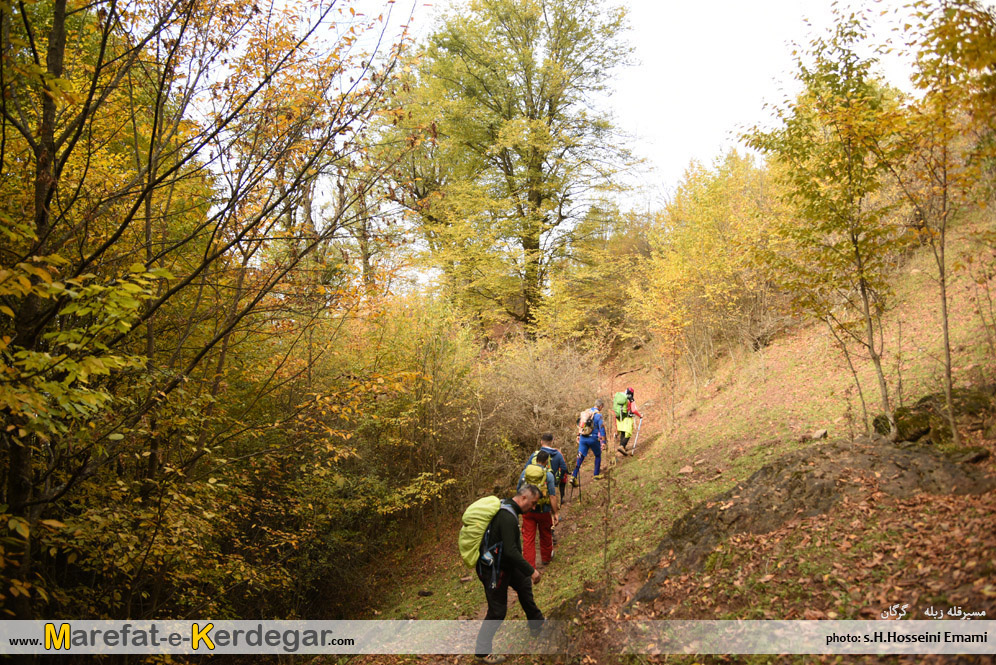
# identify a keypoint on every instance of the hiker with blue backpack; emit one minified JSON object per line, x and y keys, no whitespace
{"x":489,"y":541}
{"x":558,"y":465}
{"x":591,"y":436}
{"x":544,"y":516}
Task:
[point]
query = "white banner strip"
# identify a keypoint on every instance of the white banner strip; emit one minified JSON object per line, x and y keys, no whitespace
{"x":809,"y":637}
{"x":275,"y":637}
{"x":512,"y":637}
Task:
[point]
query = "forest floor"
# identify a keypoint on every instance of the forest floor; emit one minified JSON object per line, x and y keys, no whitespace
{"x":852,"y":559}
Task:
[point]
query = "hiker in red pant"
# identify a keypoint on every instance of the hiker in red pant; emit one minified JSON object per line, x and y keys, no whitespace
{"x":544,"y":516}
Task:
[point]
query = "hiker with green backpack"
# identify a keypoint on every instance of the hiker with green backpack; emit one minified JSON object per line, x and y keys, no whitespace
{"x":622,"y":403}
{"x":489,"y":542}
{"x":544,"y":516}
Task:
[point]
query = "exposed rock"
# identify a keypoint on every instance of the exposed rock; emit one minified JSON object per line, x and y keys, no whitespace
{"x":971,"y":455}
{"x":911,"y":425}
{"x":806,"y":483}
{"x":819,"y":434}
{"x":880,"y":424}
{"x":970,"y":405}
{"x":686,"y":470}
{"x":928,"y":417}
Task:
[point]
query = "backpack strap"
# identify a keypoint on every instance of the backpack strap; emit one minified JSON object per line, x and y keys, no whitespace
{"x":493,"y":573}
{"x":505,"y":505}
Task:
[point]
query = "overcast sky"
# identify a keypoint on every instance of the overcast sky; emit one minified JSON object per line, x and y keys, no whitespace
{"x":704,"y":69}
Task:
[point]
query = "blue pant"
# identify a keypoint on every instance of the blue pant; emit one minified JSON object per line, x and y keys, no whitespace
{"x":585,"y":444}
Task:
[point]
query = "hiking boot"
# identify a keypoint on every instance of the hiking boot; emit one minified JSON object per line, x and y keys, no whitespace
{"x":574,"y":481}
{"x":622,"y":449}
{"x":536,"y":627}
{"x":599,"y":476}
{"x":492,"y":659}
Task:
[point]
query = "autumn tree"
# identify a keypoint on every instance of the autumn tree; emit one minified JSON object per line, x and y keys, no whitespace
{"x":839,"y":246}
{"x":939,"y":147}
{"x":703,"y":289}
{"x":513,"y":148}
{"x":596,"y":284}
{"x":156,"y":162}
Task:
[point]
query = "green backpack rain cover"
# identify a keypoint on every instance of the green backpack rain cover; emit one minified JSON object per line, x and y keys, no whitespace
{"x":536,"y":475}
{"x":476,"y":519}
{"x":619,"y":403}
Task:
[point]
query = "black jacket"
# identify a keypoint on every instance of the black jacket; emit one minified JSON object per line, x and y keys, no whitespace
{"x":506,"y":526}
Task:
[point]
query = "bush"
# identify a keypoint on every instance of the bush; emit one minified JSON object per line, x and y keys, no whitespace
{"x":532,"y":387}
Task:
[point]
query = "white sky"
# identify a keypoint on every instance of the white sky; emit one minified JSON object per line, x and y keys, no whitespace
{"x":704,"y":69}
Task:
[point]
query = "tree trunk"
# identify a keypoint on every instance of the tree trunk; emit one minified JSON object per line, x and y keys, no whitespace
{"x":854,"y":372}
{"x":531,"y":285}
{"x":948,"y":380}
{"x":875,"y":355}
{"x":19,"y":481}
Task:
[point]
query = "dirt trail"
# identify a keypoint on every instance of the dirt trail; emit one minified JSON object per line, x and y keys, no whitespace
{"x":572,"y":498}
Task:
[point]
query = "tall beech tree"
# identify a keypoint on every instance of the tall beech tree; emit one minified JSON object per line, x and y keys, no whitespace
{"x":514,"y":149}
{"x":838,"y":246}
{"x":941,"y":146}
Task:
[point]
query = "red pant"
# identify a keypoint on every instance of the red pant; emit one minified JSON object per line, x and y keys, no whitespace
{"x":530,"y":523}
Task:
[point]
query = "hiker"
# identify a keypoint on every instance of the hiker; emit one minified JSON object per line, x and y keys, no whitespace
{"x":623,"y":405}
{"x":591,"y":436}
{"x":558,"y":465}
{"x":514,"y":571}
{"x":543,"y":517}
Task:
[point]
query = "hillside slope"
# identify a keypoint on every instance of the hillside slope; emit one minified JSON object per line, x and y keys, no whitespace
{"x":870,"y":549}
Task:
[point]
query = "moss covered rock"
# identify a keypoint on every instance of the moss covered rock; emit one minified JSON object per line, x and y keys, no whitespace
{"x":881,"y":424}
{"x":912,"y":425}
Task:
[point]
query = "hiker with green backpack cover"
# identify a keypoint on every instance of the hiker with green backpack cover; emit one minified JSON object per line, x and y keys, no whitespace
{"x":622,"y":404}
{"x":489,"y":542}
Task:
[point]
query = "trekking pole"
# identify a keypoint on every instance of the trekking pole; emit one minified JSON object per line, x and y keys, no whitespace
{"x":637,"y":435}
{"x":571,"y":481}
{"x":577,"y":469}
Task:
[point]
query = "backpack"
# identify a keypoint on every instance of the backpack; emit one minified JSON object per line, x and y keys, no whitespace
{"x":557,"y":473}
{"x":536,"y":475}
{"x":476,"y":520}
{"x":620,"y":403}
{"x":586,"y":422}
{"x":476,"y":548}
